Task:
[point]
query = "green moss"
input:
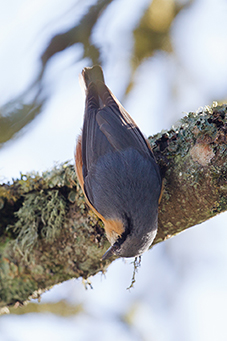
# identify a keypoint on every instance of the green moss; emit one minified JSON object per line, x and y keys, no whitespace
{"x":7,"y":194}
{"x":222,"y":204}
{"x":61,"y":175}
{"x":41,"y":202}
{"x":42,"y":214}
{"x":18,"y":288}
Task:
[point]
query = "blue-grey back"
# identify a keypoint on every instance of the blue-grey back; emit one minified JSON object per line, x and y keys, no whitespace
{"x":125,"y":184}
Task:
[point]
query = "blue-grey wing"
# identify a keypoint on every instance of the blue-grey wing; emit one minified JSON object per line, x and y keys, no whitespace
{"x":107,"y":128}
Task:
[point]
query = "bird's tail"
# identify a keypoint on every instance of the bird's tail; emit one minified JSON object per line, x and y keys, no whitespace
{"x":98,"y":94}
{"x":92,"y":75}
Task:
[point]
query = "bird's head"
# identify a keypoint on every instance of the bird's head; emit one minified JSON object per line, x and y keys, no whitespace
{"x":134,"y":241}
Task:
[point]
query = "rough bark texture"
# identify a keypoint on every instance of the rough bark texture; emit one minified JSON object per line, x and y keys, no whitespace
{"x":48,"y":234}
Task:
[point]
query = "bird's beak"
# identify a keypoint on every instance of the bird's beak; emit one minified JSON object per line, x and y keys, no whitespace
{"x":110,"y":252}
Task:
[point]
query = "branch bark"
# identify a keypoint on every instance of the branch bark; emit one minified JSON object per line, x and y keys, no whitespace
{"x":48,"y":234}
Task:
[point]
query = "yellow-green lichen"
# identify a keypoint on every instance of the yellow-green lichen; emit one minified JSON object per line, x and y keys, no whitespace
{"x":42,"y":214}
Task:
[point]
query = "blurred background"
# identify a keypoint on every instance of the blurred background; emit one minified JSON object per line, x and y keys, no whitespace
{"x":161,"y":59}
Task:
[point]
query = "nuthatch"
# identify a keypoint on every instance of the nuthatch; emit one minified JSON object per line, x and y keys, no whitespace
{"x":117,"y":170}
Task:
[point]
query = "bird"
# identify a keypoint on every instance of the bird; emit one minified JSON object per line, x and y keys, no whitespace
{"x":117,"y":170}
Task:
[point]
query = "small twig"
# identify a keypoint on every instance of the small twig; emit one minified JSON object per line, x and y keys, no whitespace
{"x":137,"y":264}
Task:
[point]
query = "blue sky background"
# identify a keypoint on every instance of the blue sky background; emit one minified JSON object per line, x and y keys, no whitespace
{"x":181,"y":287}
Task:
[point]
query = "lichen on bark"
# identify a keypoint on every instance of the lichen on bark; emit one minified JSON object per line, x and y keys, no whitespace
{"x":48,"y":234}
{"x":195,"y":183}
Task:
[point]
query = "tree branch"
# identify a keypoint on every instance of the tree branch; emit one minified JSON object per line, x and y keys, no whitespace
{"x":48,"y":234}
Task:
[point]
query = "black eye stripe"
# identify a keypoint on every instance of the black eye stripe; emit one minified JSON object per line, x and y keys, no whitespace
{"x":128,"y":228}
